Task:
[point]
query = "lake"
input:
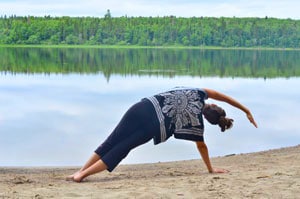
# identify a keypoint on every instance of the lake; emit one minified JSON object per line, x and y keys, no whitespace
{"x":58,"y":104}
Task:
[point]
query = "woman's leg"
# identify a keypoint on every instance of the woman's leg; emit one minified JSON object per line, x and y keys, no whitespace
{"x":126,"y":126}
{"x":97,"y":167}
{"x":94,"y":158}
{"x":116,"y":136}
{"x":117,"y":145}
{"x":122,"y":149}
{"x":114,"y":156}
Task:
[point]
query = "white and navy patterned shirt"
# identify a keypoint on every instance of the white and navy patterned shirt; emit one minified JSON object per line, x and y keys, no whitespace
{"x":179,"y":112}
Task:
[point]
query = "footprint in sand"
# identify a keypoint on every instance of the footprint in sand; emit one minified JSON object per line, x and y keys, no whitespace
{"x":21,"y":180}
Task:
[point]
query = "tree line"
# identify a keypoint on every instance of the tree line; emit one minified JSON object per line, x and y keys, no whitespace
{"x":151,"y":31}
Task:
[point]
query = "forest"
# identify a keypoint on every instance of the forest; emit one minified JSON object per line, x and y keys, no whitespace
{"x":150,"y":31}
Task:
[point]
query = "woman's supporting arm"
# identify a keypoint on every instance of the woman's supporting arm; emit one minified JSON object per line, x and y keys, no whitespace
{"x":203,"y":150}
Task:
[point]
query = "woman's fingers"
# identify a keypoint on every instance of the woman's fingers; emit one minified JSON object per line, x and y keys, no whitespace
{"x":250,"y":117}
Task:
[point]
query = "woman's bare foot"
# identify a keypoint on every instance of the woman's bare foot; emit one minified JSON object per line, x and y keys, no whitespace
{"x":71,"y":177}
{"x":78,"y":177}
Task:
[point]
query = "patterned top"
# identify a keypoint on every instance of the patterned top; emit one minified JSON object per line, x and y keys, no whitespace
{"x":179,"y":112}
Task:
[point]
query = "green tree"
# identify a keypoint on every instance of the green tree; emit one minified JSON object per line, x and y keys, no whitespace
{"x":72,"y":39}
{"x":33,"y":39}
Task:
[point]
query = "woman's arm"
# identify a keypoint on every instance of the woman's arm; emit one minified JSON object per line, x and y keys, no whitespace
{"x":203,"y":150}
{"x":222,"y":97}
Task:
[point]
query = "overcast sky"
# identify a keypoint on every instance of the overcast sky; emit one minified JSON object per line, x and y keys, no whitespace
{"x":180,"y":8}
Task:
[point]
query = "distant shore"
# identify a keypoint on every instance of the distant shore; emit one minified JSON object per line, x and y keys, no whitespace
{"x":267,"y":174}
{"x":141,"y":47}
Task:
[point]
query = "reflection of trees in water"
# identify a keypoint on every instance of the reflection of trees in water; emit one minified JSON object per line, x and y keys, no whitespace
{"x":151,"y":61}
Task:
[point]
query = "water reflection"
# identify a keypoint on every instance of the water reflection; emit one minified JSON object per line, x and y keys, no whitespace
{"x":59,"y":120}
{"x":154,"y":62}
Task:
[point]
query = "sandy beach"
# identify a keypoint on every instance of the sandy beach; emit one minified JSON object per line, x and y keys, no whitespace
{"x":268,"y":174}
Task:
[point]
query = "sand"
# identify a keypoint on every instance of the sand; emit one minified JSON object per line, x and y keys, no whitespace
{"x":268,"y":174}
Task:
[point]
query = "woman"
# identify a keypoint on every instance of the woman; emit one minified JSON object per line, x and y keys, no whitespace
{"x":176,"y":112}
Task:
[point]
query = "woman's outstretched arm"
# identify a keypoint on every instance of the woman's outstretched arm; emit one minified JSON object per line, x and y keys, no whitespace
{"x":222,"y":97}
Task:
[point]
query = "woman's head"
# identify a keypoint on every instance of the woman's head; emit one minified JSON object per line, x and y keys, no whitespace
{"x":216,"y":115}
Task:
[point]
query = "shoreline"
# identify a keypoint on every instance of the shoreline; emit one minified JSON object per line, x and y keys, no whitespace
{"x":273,"y":173}
{"x":84,"y":46}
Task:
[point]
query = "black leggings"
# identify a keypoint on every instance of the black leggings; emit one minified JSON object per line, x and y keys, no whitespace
{"x":138,"y":126}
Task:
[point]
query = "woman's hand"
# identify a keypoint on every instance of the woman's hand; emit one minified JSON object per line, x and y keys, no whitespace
{"x":251,"y":119}
{"x":216,"y":170}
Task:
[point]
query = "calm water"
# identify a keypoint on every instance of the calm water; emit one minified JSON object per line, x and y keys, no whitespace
{"x":58,"y":105}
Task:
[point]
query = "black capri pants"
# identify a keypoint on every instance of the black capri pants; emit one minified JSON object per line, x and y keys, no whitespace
{"x":138,"y":126}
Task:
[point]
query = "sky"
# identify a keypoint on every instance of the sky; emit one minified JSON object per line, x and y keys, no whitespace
{"x":179,"y":8}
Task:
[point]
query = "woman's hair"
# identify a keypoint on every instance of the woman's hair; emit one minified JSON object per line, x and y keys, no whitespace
{"x":216,"y":115}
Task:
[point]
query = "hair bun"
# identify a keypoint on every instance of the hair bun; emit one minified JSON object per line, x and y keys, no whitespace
{"x":225,"y":123}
